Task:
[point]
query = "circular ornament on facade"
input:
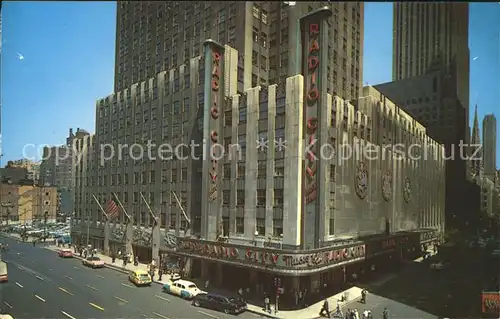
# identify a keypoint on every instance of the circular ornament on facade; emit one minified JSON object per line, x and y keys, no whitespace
{"x":387,"y":186}
{"x":407,"y":190}
{"x":361,"y":180}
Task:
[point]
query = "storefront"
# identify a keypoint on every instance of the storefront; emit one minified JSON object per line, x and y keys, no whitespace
{"x":261,"y":269}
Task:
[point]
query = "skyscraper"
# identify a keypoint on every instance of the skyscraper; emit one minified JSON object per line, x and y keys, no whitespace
{"x":430,"y":36}
{"x":489,"y":145}
{"x":157,"y":36}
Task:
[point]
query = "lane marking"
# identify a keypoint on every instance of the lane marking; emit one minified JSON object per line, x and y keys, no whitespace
{"x":19,"y":267}
{"x":40,"y":298}
{"x":51,"y":270}
{"x":19,"y":285}
{"x":162,"y":298}
{"x":96,"y":306}
{"x":122,"y":300}
{"x":126,"y":285}
{"x":64,"y":290}
{"x":161,"y":316}
{"x":207,"y":314}
{"x":94,"y":288}
{"x":7,"y":304}
{"x":145,"y":316}
{"x":68,"y":277}
{"x":67,"y":315}
{"x":100,"y":276}
{"x":38,"y":277}
{"x":76,"y":267}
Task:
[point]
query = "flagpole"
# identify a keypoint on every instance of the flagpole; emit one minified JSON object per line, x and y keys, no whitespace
{"x":148,"y":207}
{"x":155,"y":234}
{"x":100,"y":206}
{"x":121,"y":206}
{"x":106,"y":226}
{"x":128,"y":227}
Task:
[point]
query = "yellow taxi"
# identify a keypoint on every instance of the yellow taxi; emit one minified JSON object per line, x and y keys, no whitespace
{"x":140,"y":278}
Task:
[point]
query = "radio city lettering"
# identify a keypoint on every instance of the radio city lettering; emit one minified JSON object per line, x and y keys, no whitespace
{"x":490,"y":302}
{"x":428,"y":236}
{"x":312,"y":97}
{"x":394,"y":242}
{"x":324,"y":258}
{"x":211,"y":250}
{"x":214,"y":113}
{"x":262,"y":257}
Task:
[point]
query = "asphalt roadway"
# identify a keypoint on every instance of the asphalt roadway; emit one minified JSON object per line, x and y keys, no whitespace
{"x":42,"y":285}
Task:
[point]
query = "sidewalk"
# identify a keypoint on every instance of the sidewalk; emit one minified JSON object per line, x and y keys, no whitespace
{"x":311,"y":312}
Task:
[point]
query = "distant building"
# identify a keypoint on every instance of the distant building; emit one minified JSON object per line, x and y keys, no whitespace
{"x":490,"y":145}
{"x":27,"y":203}
{"x":57,"y":170}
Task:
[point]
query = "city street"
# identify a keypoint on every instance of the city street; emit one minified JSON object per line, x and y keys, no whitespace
{"x":42,"y":285}
{"x":452,"y":292}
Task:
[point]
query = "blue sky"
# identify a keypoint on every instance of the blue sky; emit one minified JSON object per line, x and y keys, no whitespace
{"x":68,"y":53}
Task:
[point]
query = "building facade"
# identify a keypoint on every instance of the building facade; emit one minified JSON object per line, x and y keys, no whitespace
{"x":27,"y":204}
{"x":490,"y":145}
{"x":263,"y":209}
{"x":156,"y":36}
{"x":56,"y":169}
{"x":429,"y":36}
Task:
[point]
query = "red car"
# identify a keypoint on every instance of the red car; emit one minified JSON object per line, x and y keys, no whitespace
{"x":65,"y":253}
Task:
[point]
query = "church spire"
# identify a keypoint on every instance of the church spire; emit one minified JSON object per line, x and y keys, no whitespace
{"x":475,"y":139}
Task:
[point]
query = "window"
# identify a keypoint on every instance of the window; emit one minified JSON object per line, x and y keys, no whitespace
{"x":136,"y":197}
{"x":278,"y":197}
{"x":152,"y":176}
{"x":332,"y":172}
{"x":240,"y":197}
{"x":261,"y":226}
{"x":240,"y":225}
{"x":173,"y":221}
{"x":227,"y":171}
{"x":277,"y":227}
{"x":173,"y":176}
{"x":241,"y":170}
{"x":261,"y":197}
{"x":261,"y":169}
{"x":225,"y":197}
{"x":184,"y":174}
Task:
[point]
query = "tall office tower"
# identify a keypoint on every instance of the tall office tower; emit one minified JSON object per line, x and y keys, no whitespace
{"x":489,"y":145}
{"x":157,"y":36}
{"x":429,"y":36}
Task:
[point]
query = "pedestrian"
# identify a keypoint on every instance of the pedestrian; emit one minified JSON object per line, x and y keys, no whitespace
{"x":152,"y":273}
{"x":356,"y":314}
{"x":160,"y":273}
{"x":34,"y":243}
{"x":136,"y":261}
{"x":207,"y":283}
{"x":385,"y":313}
{"x":85,"y":253}
{"x":119,"y":253}
{"x":81,"y":251}
{"x":267,"y":304}
{"x":363,"y":295}
{"x":348,"y":314}
{"x":325,"y":309}
{"x":365,"y":314}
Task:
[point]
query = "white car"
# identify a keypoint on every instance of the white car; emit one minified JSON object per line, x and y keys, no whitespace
{"x":182,"y":288}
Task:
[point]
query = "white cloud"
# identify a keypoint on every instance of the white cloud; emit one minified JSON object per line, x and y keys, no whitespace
{"x":20,"y":56}
{"x":475,"y":58}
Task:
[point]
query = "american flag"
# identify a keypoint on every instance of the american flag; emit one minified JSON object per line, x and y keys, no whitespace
{"x":112,"y":210}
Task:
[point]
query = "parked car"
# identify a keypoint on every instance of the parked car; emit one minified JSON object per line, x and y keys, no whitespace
{"x":94,"y":262}
{"x":140,"y":278}
{"x":229,"y":305}
{"x":65,"y":253}
{"x":182,"y":288}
